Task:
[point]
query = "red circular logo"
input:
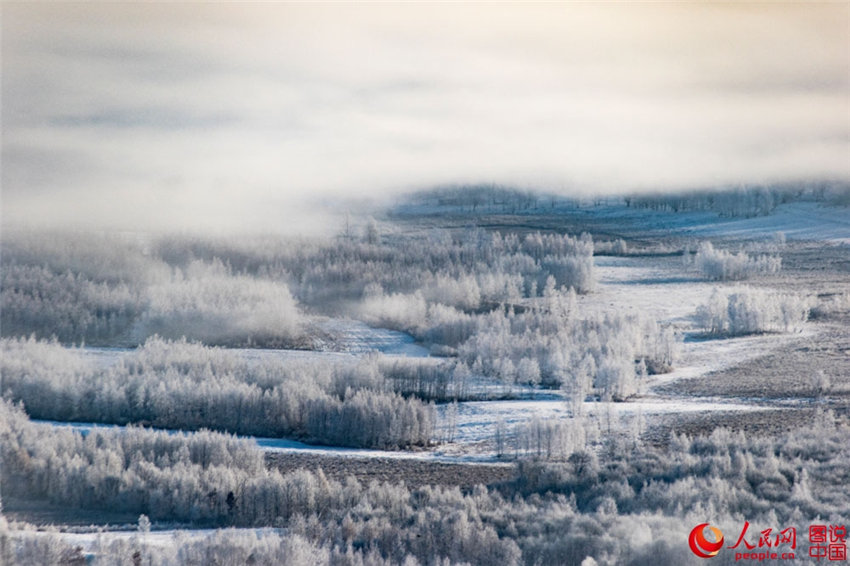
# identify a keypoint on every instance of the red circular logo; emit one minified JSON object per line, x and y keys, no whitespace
{"x":701,"y":546}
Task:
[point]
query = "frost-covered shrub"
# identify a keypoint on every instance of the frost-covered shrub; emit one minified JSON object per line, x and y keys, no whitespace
{"x":836,"y":303}
{"x":722,"y":265}
{"x":574,"y":272}
{"x":752,"y":311}
{"x":616,"y":378}
{"x":462,"y":292}
{"x":611,"y":247}
{"x":448,"y":326}
{"x":108,"y":292}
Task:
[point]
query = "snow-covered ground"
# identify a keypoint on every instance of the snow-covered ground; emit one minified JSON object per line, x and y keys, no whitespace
{"x":698,"y":358}
{"x":797,"y":220}
{"x":103,"y":357}
{"x":355,"y":337}
{"x":669,"y":293}
{"x":477,"y":421}
{"x":350,"y":338}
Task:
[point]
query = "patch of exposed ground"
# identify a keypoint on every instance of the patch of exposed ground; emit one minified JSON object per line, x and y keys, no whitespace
{"x":817,"y":258}
{"x":769,"y":422}
{"x":791,"y":382}
{"x":808,"y":368}
{"x":42,"y":513}
{"x":414,"y":473}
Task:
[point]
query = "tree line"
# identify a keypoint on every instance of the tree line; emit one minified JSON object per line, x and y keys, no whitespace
{"x":182,"y":385}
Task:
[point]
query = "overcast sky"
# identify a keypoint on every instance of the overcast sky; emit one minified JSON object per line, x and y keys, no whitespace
{"x":175,"y":115}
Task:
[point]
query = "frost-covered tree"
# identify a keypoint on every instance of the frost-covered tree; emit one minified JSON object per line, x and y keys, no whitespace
{"x":208,"y":303}
{"x":721,"y":265}
{"x":750,"y":311}
{"x":182,"y":385}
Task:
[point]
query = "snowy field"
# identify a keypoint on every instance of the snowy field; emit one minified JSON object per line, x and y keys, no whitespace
{"x":797,"y":220}
{"x":476,"y":422}
{"x":669,"y":293}
{"x":355,"y":337}
{"x":350,"y":338}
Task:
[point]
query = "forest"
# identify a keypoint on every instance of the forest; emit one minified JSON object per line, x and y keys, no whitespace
{"x":147,"y":375}
{"x":181,"y":385}
{"x":504,"y":306}
{"x":622,"y":505}
{"x":297,"y":283}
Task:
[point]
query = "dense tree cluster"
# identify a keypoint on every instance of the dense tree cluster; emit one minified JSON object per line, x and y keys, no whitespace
{"x":547,"y":439}
{"x":209,"y":478}
{"x":157,"y":473}
{"x":207,"y":302}
{"x":478,"y":199}
{"x":247,"y":292}
{"x":466,"y":269}
{"x":735,"y":312}
{"x":180,"y":385}
{"x":36,"y":299}
{"x":78,"y":288}
{"x":544,"y":340}
{"x":722,"y":265}
{"x":789,"y":475}
{"x":424,"y":379}
{"x":551,"y":342}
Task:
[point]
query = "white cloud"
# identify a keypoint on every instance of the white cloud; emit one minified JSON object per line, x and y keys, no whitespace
{"x":164,"y":115}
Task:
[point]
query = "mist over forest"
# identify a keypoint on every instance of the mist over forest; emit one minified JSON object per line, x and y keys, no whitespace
{"x":424,"y":284}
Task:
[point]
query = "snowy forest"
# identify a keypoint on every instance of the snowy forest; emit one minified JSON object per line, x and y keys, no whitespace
{"x":424,"y":283}
{"x":595,"y":376}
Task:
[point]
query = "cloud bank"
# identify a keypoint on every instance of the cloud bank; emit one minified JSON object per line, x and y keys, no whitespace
{"x":172,"y":116}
